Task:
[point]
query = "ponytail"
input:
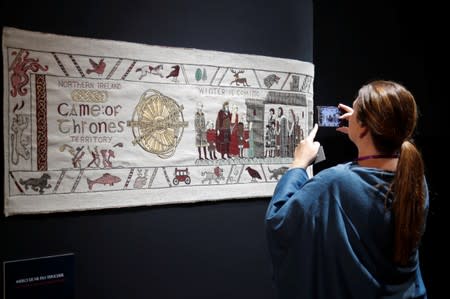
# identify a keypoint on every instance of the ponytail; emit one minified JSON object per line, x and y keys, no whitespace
{"x":409,"y":203}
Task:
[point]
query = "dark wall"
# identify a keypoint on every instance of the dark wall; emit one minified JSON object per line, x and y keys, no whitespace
{"x":217,"y":250}
{"x":358,"y":41}
{"x":208,"y":250}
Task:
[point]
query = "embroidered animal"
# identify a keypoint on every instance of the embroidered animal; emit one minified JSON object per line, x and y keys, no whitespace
{"x":105,"y":179}
{"x":253,"y":173}
{"x":19,"y":143}
{"x":97,"y":68}
{"x":237,"y":79}
{"x":141,"y":180}
{"x":20,"y":68}
{"x":37,"y":184}
{"x":215,"y":175}
{"x":148,"y":69}
{"x":270,"y":80}
{"x":174,"y":73}
{"x":275,"y":173}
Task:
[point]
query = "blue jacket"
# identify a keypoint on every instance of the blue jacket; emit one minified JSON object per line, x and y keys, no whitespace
{"x":332,"y":237}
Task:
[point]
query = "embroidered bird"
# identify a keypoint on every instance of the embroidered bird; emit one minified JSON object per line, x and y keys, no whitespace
{"x":98,"y":68}
{"x":174,"y":73}
{"x":253,"y":173}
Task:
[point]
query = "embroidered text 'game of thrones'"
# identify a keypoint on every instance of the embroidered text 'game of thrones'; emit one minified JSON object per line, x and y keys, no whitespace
{"x":93,"y":124}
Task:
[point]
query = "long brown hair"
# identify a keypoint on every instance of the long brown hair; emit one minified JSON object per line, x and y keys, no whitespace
{"x":389,"y":110}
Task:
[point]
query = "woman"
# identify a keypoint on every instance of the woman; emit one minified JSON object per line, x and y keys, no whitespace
{"x":353,"y":230}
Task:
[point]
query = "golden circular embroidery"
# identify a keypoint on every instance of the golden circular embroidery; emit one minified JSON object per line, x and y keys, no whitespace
{"x":157,"y":124}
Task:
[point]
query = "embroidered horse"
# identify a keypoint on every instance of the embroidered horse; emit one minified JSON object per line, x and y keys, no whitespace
{"x":148,"y":69}
{"x":37,"y":184}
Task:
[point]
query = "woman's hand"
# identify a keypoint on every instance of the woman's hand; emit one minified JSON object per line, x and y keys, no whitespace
{"x":348,"y":112}
{"x":306,"y":150}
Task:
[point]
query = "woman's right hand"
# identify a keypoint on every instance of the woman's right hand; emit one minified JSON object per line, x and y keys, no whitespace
{"x":306,"y":150}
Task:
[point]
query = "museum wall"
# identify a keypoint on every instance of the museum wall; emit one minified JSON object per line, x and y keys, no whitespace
{"x":205,"y":250}
{"x":218,"y":250}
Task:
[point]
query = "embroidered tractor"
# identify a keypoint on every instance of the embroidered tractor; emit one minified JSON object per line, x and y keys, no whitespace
{"x":181,"y":175}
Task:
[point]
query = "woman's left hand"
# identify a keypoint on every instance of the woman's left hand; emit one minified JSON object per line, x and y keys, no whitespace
{"x":348,"y":112}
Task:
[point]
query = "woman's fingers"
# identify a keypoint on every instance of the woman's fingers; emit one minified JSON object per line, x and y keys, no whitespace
{"x":313,"y":132}
{"x":342,"y":130}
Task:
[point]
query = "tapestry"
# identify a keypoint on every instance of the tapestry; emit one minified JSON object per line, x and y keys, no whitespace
{"x":94,"y":124}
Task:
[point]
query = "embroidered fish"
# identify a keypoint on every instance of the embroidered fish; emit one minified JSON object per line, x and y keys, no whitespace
{"x":105,"y":179}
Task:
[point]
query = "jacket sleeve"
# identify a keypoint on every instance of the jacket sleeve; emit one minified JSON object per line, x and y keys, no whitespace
{"x":285,"y":209}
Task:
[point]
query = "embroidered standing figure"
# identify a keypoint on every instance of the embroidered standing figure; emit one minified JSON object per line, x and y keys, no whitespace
{"x":200,"y":132}
{"x":223,"y":129}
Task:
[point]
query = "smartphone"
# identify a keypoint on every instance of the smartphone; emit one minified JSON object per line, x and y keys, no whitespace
{"x":328,"y":116}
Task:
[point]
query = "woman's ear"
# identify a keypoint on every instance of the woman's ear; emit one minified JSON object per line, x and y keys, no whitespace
{"x":363,"y":132}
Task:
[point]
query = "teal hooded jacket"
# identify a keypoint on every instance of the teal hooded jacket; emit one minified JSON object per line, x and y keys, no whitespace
{"x":332,"y":236}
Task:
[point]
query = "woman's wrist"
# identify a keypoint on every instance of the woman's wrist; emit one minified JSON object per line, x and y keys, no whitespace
{"x":298,"y":164}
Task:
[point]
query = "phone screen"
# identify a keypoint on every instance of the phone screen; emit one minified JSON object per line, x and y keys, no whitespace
{"x":328,"y":116}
